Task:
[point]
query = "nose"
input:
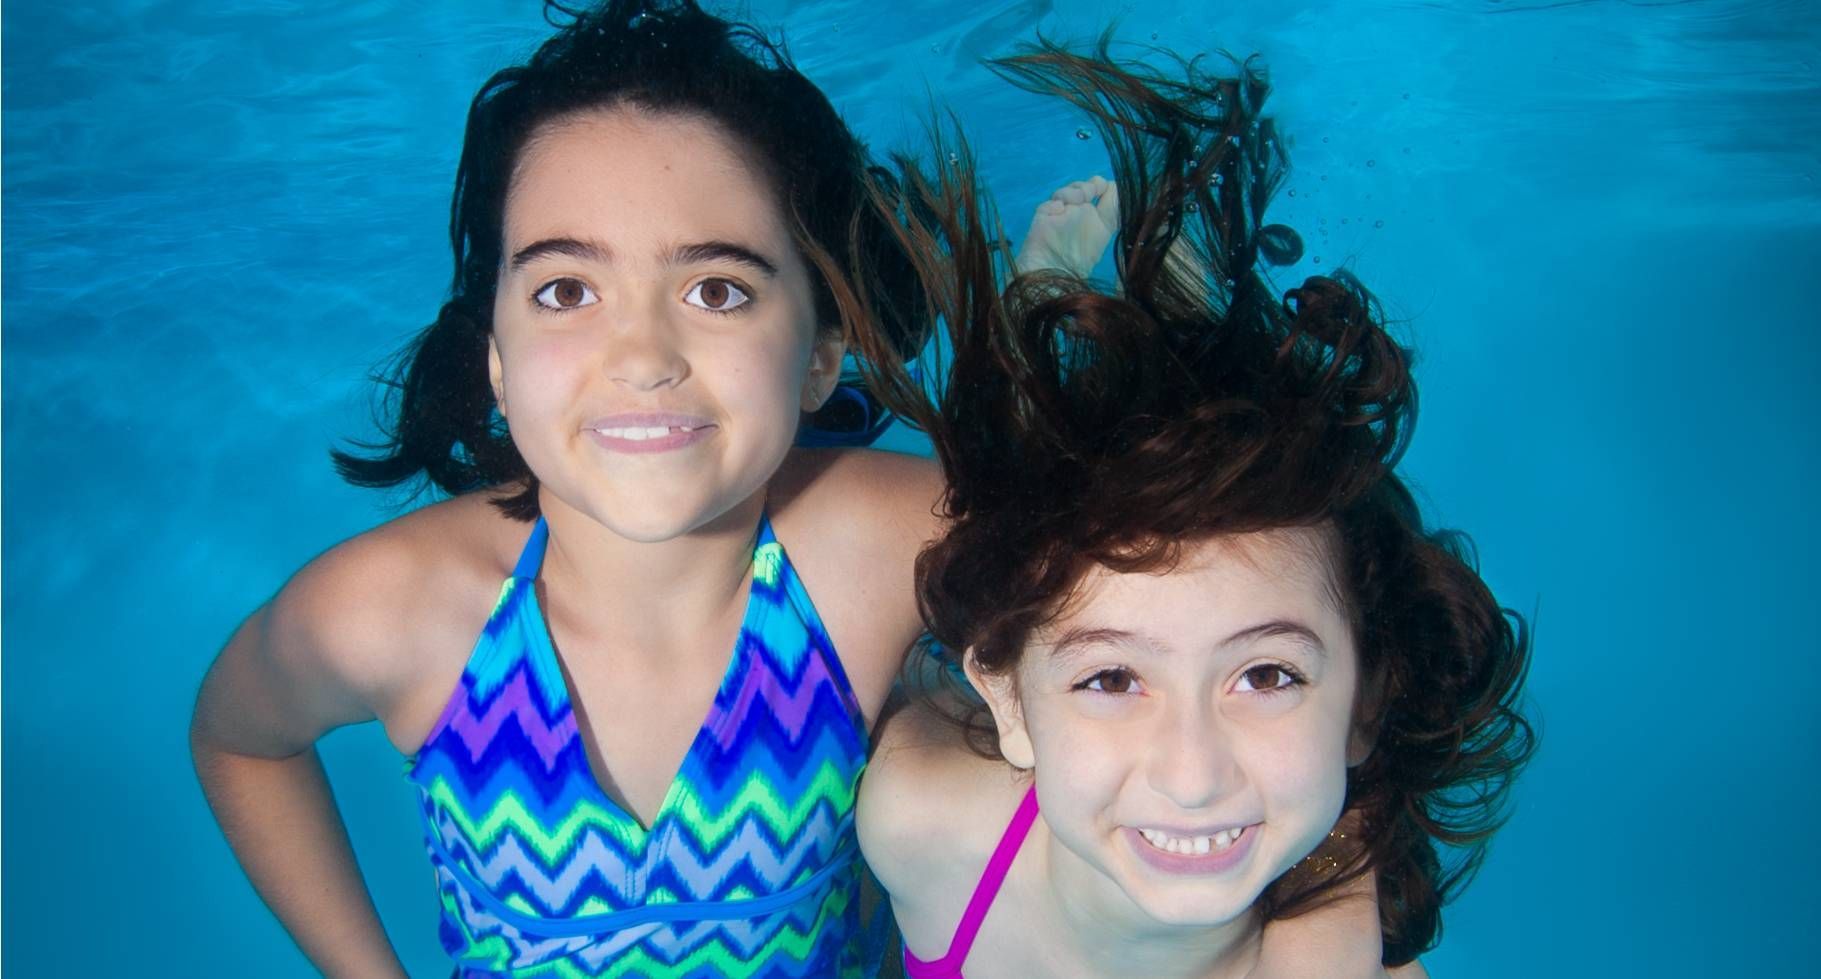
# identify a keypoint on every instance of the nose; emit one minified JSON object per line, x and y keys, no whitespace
{"x":642,"y":351}
{"x":1188,"y":760}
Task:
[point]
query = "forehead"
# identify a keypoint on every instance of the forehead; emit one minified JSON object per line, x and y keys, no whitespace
{"x":1219,"y":586}
{"x":626,"y":169}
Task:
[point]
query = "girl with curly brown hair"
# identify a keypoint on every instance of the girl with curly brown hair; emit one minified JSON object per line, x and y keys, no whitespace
{"x":1224,"y":672}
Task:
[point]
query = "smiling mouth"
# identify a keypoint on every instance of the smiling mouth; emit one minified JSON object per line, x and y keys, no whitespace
{"x":641,"y":433}
{"x":1192,"y":846}
{"x":648,"y":435}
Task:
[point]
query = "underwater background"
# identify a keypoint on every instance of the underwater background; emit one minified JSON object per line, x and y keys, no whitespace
{"x":1599,"y":223}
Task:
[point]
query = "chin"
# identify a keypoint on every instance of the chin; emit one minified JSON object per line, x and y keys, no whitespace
{"x":1188,"y":906}
{"x":643,"y":523}
{"x":654,"y":528}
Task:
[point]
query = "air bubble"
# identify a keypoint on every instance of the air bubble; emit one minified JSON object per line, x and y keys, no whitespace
{"x":1293,"y":192}
{"x":1343,"y":220}
{"x":1324,"y":139}
{"x":1318,"y":259}
{"x":1371,"y":163}
{"x":1082,"y":133}
{"x":1378,"y":224}
{"x":1193,"y":207}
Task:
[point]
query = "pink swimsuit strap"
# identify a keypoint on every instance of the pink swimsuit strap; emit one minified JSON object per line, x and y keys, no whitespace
{"x":949,"y":965}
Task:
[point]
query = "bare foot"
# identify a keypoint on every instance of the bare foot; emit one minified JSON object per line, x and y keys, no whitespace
{"x":1072,"y":229}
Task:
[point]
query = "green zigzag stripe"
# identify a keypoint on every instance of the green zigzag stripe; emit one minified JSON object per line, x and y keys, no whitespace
{"x":757,"y":797}
{"x":510,"y":813}
{"x":506,"y":590}
{"x":767,"y":562}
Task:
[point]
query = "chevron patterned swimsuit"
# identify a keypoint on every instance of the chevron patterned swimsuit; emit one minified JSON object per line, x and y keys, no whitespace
{"x":749,"y":867}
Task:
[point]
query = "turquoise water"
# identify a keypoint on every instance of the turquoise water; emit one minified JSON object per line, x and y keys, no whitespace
{"x":1600,"y":222}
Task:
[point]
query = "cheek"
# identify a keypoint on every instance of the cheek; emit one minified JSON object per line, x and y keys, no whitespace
{"x":758,"y":373}
{"x":1300,"y":768}
{"x":1081,"y":764}
{"x":541,"y":372}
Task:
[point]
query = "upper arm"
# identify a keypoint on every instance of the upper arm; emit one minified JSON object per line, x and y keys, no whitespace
{"x":1341,"y":937}
{"x":913,"y":762}
{"x":324,"y":652}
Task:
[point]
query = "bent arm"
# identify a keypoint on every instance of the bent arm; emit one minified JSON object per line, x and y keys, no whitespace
{"x":268,"y":697}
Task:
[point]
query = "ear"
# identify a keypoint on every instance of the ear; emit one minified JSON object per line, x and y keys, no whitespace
{"x":1359,"y":745}
{"x":824,"y":369}
{"x":496,"y":375}
{"x":1001,"y":696}
{"x":1362,"y":732}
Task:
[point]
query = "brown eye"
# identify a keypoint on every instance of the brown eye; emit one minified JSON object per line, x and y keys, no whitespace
{"x":1266,"y":677}
{"x":717,"y":296}
{"x":565,"y":294}
{"x":1110,"y":681}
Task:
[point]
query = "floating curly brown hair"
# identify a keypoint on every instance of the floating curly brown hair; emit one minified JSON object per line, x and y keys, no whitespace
{"x":1080,"y":428}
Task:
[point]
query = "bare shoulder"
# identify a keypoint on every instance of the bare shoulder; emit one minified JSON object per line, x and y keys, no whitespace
{"x":930,"y":808}
{"x":853,"y":522}
{"x":391,"y":613}
{"x":889,"y":496}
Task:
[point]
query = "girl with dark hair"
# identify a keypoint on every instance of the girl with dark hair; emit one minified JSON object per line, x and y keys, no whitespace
{"x":652,"y":227}
{"x":1200,"y":611}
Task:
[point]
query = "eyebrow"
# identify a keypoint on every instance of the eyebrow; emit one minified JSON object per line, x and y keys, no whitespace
{"x":694,"y":253}
{"x":1075,"y":640}
{"x":723,"y":251}
{"x":588,"y":251}
{"x":1274,"y":629}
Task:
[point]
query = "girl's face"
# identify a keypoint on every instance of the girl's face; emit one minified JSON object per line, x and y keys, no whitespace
{"x":1189,"y":731}
{"x":654,"y":335}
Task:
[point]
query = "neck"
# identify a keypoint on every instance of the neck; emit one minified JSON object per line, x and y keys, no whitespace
{"x":1105,"y":931}
{"x":655,"y":595}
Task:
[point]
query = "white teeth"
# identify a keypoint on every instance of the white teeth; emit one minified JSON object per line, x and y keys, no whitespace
{"x":1195,"y":846}
{"x":639,"y":434}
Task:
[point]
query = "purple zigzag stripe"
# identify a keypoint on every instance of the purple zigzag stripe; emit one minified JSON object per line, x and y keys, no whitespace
{"x":791,"y":707}
{"x":514,"y":699}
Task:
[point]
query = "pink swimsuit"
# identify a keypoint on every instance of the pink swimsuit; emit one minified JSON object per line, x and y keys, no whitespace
{"x":949,"y":965}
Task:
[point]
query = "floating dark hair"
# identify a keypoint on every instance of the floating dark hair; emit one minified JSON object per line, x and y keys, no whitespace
{"x":1079,"y":428}
{"x":667,"y":56}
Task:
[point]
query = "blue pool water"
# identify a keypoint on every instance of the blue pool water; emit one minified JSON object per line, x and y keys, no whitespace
{"x":1599,"y":221}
